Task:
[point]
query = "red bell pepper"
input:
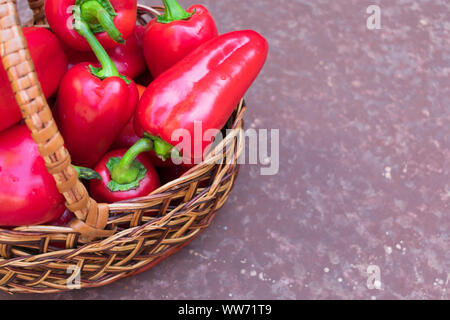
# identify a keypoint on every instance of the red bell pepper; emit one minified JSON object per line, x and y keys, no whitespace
{"x":111,"y":20}
{"x":93,"y":106}
{"x":28,"y":193}
{"x":128,"y":57}
{"x":128,"y":137}
{"x":204,"y":87}
{"x":49,"y":68}
{"x":176,"y":33}
{"x":126,"y":174}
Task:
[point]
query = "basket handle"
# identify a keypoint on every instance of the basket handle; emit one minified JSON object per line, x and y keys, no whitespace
{"x":92,"y":217}
{"x":37,"y":6}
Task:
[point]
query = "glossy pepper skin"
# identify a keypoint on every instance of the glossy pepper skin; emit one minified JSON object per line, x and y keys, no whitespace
{"x":28,"y":193}
{"x":91,"y":112}
{"x":128,"y":137}
{"x":99,"y":189}
{"x":128,"y":57}
{"x":59,"y":15}
{"x":167,"y":43}
{"x":204,"y":87}
{"x":49,"y":68}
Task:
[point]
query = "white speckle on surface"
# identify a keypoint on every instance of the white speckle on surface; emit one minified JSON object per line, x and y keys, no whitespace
{"x":256,"y":123}
{"x":253,"y":273}
{"x":387,"y":173}
{"x":261,"y":276}
{"x":426,"y":113}
{"x":373,"y":298}
{"x":225,"y":228}
{"x":340,"y":279}
{"x":326,"y":270}
{"x":388,"y":249}
{"x":197,"y":254}
{"x":356,"y":83}
{"x":423,"y":22}
{"x":243,"y":271}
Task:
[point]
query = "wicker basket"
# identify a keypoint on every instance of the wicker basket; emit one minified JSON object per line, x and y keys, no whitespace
{"x":105,"y":242}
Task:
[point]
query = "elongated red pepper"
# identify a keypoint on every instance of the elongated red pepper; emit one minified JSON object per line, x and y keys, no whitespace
{"x":176,"y":33}
{"x":28,"y":193}
{"x":93,"y":106}
{"x":128,"y":137}
{"x":201,"y":90}
{"x":49,"y":68}
{"x":111,"y":20}
{"x":128,"y":57}
{"x":126,"y":174}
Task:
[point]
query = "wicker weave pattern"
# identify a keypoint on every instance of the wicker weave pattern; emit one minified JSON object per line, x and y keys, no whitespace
{"x":131,"y":236}
{"x":37,"y":6}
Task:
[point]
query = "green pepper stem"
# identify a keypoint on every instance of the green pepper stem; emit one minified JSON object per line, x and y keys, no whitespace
{"x":162,"y":148}
{"x":173,"y":12}
{"x":126,"y":172}
{"x":94,"y":13}
{"x":108,"y":68}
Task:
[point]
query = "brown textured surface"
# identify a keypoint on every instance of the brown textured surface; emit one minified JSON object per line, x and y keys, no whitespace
{"x":364,"y":178}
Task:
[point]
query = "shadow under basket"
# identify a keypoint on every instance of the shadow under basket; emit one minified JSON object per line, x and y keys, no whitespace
{"x":105,"y":242}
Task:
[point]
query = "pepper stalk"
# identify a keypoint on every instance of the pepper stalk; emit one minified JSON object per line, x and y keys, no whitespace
{"x":173,"y":12}
{"x":126,"y":170}
{"x":108,"y":68}
{"x":99,"y":15}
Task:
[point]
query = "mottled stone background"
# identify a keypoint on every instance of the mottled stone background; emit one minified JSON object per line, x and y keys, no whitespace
{"x":364,"y":119}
